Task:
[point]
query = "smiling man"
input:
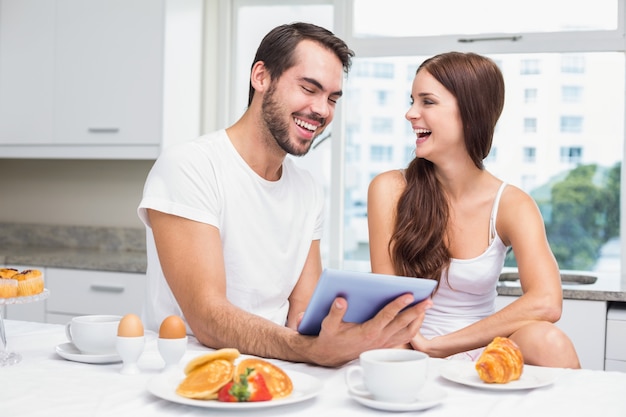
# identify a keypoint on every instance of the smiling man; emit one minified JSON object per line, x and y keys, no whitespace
{"x":234,"y":227}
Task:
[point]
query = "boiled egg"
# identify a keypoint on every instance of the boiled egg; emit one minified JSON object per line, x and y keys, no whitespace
{"x":172,"y":327}
{"x":130,"y":326}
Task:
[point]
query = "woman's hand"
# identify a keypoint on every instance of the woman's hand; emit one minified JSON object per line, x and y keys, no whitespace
{"x":419,"y":342}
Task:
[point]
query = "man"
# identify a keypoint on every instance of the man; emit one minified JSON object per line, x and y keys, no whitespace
{"x":233,"y":226}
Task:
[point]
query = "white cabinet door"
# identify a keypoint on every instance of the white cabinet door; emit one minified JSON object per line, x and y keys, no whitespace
{"x":109,"y":68}
{"x":26,"y":71}
{"x":75,"y":292}
{"x":584,"y":321}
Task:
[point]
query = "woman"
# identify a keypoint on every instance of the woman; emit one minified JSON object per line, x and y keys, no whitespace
{"x":447,"y":218}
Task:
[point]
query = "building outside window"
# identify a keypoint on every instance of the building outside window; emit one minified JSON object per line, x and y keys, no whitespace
{"x":530,"y":125}
{"x":530,"y":95}
{"x":571,"y":154}
{"x":382,"y":125}
{"x":530,"y":67}
{"x":383,"y":70}
{"x":573,"y":64}
{"x":571,"y":124}
{"x":380,"y":153}
{"x":571,"y":94}
{"x":382,"y":97}
{"x":529,"y":155}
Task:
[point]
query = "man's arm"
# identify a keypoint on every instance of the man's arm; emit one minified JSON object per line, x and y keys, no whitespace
{"x":192,"y":261}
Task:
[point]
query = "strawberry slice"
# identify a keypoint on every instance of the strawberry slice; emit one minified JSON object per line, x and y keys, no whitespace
{"x":250,"y":387}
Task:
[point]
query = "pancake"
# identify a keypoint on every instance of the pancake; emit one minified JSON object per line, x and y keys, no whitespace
{"x":204,"y":381}
{"x":228,"y":354}
{"x":277,"y":380}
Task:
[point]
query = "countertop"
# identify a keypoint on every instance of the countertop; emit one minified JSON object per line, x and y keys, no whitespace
{"x":123,"y":250}
{"x":607,"y":287}
{"x":74,"y":247}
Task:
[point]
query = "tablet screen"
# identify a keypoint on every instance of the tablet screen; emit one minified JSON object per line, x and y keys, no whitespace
{"x":365,"y":292}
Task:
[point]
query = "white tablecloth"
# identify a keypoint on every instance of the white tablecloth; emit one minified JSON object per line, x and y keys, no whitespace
{"x":44,"y":384}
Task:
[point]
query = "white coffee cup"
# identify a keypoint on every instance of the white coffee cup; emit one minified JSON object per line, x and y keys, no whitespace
{"x":94,"y":334}
{"x":389,"y":375}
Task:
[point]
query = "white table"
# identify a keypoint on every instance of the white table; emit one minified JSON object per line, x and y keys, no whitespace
{"x":44,"y":384}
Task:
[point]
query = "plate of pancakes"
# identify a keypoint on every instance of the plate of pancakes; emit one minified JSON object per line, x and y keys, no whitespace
{"x":205,"y":375}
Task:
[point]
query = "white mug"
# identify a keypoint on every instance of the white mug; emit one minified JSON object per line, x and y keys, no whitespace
{"x":389,"y":375}
{"x":95,"y":334}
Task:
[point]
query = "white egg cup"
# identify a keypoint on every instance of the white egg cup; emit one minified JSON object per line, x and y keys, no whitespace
{"x":172,"y":350}
{"x":130,"y":349}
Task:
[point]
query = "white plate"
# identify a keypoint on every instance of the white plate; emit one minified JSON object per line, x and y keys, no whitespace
{"x":304,"y":387}
{"x":70,"y":352}
{"x":429,"y":397}
{"x":464,"y":372}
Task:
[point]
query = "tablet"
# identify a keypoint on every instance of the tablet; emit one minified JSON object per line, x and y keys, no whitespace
{"x":365,"y":292}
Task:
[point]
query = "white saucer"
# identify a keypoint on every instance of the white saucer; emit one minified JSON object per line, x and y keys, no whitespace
{"x":70,"y":352}
{"x":429,"y":397}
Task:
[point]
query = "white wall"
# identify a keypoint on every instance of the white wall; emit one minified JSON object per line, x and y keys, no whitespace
{"x":72,"y":192}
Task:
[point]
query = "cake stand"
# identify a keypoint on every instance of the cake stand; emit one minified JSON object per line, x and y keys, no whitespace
{"x":11,"y":358}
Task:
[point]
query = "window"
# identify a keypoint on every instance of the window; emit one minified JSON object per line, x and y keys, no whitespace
{"x":571,"y":154}
{"x":571,"y":124}
{"x":381,"y":153}
{"x":558,"y":64}
{"x":530,"y":67}
{"x":548,"y":62}
{"x":571,"y":94}
{"x":530,"y":125}
{"x":382,"y":125}
{"x":573,"y":64}
{"x":383,"y":70}
{"x":530,"y":95}
{"x":360,"y":69}
{"x":529,"y":154}
{"x":382,"y":97}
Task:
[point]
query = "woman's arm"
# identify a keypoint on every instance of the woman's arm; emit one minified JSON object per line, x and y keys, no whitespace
{"x":382,"y":198}
{"x":520,"y":225}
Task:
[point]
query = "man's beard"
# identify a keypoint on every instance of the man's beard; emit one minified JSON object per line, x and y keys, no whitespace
{"x":279,"y":128}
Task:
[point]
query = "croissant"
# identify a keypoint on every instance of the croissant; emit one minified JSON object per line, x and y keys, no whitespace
{"x":500,"y":362}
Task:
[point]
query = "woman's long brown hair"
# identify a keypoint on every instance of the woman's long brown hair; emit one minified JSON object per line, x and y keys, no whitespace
{"x":418,"y":245}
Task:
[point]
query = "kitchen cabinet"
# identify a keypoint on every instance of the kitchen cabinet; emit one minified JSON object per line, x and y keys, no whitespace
{"x":616,"y":338}
{"x":584,"y":321}
{"x":75,"y":292}
{"x":115,"y":79}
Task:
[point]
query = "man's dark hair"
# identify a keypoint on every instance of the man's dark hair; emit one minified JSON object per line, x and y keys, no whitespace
{"x":277,"y":48}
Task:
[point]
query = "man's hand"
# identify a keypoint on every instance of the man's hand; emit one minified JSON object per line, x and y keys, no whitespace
{"x":340,"y":342}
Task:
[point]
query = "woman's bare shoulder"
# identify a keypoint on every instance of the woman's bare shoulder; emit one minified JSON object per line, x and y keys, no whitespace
{"x":514,"y":196}
{"x":394,"y":178}
{"x":387,"y":186}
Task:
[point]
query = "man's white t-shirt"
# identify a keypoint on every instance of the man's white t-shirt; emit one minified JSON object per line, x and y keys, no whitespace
{"x":266,"y":227}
